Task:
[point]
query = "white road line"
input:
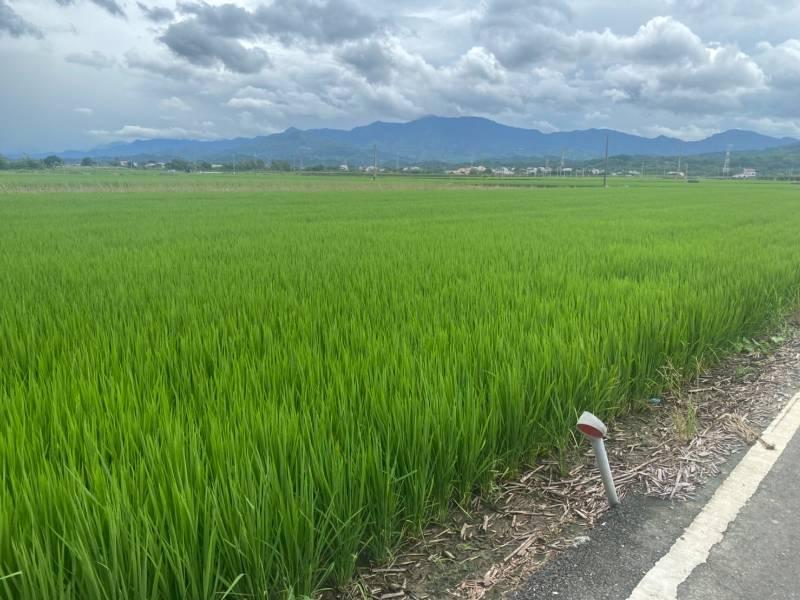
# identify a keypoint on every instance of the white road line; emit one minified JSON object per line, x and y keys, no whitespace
{"x":708,"y":528}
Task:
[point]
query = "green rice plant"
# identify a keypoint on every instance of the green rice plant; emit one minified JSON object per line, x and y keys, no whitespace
{"x":211,"y":389}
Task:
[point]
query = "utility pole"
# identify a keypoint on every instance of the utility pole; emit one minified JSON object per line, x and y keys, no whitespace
{"x":374,"y":161}
{"x":726,"y":166}
{"x":234,"y":163}
{"x":605,"y":170}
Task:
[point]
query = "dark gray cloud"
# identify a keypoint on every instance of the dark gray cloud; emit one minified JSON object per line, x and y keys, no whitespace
{"x":226,"y":20}
{"x":322,"y":21}
{"x":213,"y":34}
{"x":370,"y":58}
{"x":156,"y":14}
{"x":94,"y":59}
{"x":190,"y":40}
{"x":515,"y":14}
{"x":109,"y":5}
{"x":14,"y":25}
{"x":521,"y":31}
{"x":168,"y":69}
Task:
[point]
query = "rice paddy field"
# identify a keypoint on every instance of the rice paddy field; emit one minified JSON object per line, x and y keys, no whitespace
{"x":215,"y":387}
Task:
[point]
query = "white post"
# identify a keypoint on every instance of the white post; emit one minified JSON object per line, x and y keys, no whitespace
{"x":605,"y":470}
{"x":594,"y":429}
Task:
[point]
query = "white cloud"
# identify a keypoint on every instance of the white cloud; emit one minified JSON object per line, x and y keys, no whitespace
{"x":93,"y":59}
{"x":136,"y":132}
{"x":174,"y":103}
{"x":781,"y":62}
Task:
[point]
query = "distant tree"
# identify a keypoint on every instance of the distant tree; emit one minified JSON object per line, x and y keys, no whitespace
{"x":4,"y":163}
{"x":178,"y":164}
{"x":53,"y":161}
{"x":26,"y":162}
{"x":247,"y":164}
{"x":87,"y":162}
{"x":316,"y":168}
{"x":203,"y":165}
{"x":281,"y":165}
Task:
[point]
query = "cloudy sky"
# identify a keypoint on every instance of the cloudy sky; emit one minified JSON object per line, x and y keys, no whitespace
{"x":79,"y":73}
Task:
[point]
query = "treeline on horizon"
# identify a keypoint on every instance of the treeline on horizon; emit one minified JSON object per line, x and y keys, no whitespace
{"x":53,"y":162}
{"x":781,"y":163}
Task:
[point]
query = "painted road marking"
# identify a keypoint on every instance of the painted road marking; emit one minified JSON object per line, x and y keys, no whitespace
{"x":708,"y":528}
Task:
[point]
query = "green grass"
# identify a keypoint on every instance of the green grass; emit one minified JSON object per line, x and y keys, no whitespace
{"x":246,"y":390}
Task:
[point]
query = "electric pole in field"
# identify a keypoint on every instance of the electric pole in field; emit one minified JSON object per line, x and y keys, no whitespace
{"x":726,"y":166}
{"x":605,"y":170}
{"x":374,"y":161}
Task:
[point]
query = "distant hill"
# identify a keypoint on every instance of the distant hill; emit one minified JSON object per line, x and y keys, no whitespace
{"x":440,"y":139}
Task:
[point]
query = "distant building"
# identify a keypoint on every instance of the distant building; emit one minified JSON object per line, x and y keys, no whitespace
{"x":479,"y":170}
{"x":344,"y":168}
{"x":746,"y":174}
{"x":503,"y":171}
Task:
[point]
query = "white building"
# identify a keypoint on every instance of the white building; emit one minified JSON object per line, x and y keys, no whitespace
{"x":746,"y":173}
{"x":503,"y":171}
{"x":479,"y":170}
{"x":344,"y":168}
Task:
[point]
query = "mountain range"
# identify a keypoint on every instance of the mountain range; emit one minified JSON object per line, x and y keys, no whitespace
{"x":429,"y":139}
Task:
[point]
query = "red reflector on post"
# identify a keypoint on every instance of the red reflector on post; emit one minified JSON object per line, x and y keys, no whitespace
{"x":589,"y":430}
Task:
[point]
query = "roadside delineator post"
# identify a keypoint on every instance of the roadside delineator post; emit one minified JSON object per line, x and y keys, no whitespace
{"x":594,"y":429}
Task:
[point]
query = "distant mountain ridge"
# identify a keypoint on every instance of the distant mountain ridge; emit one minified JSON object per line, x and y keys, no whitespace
{"x":432,"y":138}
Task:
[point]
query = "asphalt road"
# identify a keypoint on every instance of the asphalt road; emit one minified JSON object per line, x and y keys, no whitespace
{"x":759,"y":556}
